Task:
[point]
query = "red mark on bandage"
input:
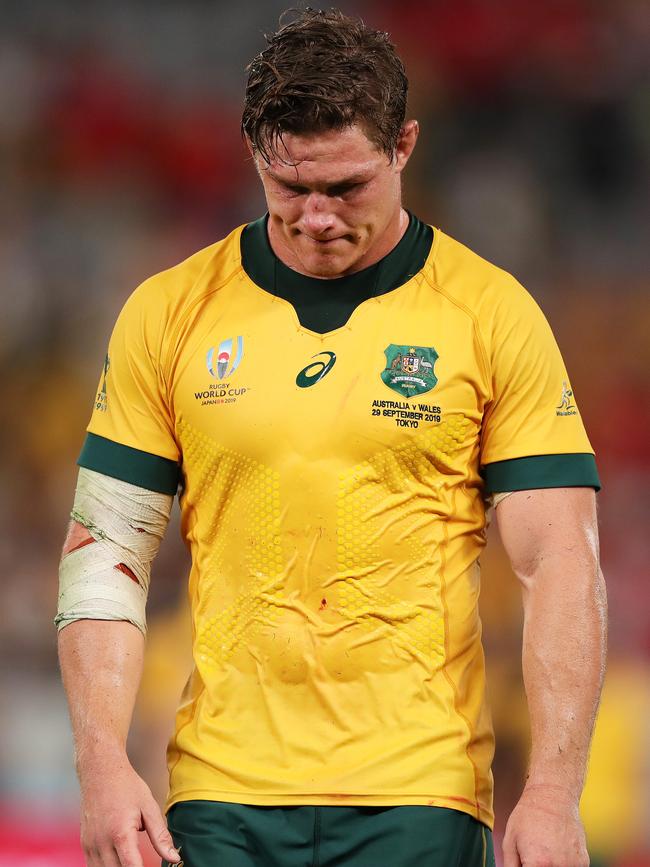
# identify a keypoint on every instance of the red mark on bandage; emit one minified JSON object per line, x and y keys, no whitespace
{"x":81,"y":545}
{"x":122,"y":567}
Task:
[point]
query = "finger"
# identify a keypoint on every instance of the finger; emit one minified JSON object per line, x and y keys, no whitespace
{"x":510,"y":854}
{"x":127,"y":850}
{"x":100,"y":856}
{"x":161,"y":839}
{"x":105,"y":857}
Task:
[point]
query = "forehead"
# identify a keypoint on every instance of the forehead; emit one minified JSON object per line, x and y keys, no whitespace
{"x":326,"y":157}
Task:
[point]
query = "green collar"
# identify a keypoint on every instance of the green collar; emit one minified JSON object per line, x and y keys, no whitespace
{"x":324,"y":305}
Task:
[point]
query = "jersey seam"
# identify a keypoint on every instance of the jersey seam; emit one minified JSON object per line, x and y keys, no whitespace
{"x":182,"y":318}
{"x":177,"y":734}
{"x":192,"y":716}
{"x":161,"y":356}
{"x":469,"y":312}
{"x":445,"y":672}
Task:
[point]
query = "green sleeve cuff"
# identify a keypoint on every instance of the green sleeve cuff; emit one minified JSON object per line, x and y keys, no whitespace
{"x":129,"y":465}
{"x":541,"y":471}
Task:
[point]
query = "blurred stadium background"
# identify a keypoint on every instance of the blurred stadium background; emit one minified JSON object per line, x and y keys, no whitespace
{"x":120,"y":155}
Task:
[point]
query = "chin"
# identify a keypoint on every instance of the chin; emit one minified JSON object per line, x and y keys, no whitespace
{"x":326,"y":266}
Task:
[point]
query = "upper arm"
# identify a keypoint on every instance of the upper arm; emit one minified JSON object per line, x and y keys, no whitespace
{"x":554,"y":527}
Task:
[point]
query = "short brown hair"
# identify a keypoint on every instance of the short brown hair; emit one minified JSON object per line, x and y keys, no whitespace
{"x":322,"y":71}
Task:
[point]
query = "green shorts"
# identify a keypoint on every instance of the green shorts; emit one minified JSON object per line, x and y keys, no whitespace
{"x":219,"y":834}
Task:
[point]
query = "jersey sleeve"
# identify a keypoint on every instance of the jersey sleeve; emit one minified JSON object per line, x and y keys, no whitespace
{"x":131,"y":433}
{"x":532,"y":435}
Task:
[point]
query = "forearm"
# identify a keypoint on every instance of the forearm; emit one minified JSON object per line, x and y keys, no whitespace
{"x":101,"y":665}
{"x":563,"y":657}
{"x":104,"y":575}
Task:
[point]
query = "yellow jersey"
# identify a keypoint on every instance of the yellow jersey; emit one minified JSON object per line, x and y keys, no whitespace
{"x":335,"y":441}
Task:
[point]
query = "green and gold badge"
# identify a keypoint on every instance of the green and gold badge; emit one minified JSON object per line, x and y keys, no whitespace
{"x":409,"y":369}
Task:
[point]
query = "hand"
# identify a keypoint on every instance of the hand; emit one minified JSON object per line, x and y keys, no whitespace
{"x":545,"y":830}
{"x":115,"y":805}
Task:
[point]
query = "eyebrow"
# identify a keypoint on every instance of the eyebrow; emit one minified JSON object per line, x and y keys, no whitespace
{"x":340,"y":182}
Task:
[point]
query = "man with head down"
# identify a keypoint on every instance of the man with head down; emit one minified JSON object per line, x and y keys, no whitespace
{"x":338,"y":392}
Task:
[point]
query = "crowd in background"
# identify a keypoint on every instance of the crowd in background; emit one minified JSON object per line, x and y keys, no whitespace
{"x":120,"y":155}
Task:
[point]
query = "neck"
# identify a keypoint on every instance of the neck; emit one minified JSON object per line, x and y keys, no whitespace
{"x":388,"y":240}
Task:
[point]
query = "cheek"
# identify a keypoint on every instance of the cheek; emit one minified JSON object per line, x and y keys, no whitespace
{"x":289,"y":209}
{"x":369,"y":222}
{"x":370,"y":209}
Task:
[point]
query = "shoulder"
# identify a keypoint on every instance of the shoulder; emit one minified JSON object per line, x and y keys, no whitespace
{"x":480,"y":287}
{"x":170,"y":292}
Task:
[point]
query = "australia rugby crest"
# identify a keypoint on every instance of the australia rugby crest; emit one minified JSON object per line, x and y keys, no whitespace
{"x":409,"y":369}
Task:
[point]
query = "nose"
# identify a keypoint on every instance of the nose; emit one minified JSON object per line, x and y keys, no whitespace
{"x":317,"y":216}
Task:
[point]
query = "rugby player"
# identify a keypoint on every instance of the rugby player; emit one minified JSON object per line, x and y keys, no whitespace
{"x":339,"y":392}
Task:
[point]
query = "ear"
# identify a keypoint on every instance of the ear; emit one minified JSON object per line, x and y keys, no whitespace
{"x":407,"y":138}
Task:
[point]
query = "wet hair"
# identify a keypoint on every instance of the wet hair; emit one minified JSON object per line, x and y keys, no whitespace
{"x":324,"y":71}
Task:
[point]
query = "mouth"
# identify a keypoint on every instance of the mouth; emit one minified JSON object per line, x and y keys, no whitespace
{"x":323,"y":242}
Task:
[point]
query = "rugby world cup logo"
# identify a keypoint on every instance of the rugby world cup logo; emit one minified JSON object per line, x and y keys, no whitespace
{"x":221,"y":363}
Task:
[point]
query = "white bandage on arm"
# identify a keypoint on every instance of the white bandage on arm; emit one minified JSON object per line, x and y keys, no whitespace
{"x":500,"y":497}
{"x":127,"y":523}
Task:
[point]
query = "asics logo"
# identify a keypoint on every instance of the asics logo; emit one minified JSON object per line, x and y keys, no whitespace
{"x":316,"y":370}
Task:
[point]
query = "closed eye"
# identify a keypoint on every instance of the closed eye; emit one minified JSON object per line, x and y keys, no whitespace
{"x":334,"y":191}
{"x":342,"y":189}
{"x":296,"y":190}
